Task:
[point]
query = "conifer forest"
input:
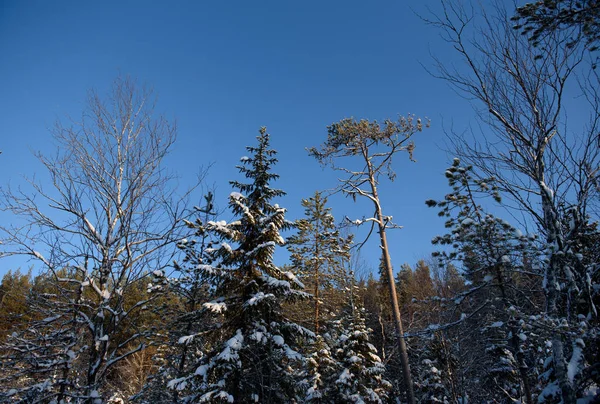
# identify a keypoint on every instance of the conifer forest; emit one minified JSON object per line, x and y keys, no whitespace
{"x":136,"y":288}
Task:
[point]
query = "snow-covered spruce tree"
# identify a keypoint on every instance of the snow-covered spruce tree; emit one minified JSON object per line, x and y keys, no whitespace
{"x":317,"y":254}
{"x":320,"y":368}
{"x":255,"y":357}
{"x":430,"y":387}
{"x":435,"y":378}
{"x":360,"y":371}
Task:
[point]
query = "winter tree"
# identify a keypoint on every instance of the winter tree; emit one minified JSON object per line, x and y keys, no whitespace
{"x":110,"y":216}
{"x":318,"y":253}
{"x":493,"y":255}
{"x":543,"y":18}
{"x":255,"y":353}
{"x":360,"y":375}
{"x":321,"y":367}
{"x":545,"y":166}
{"x":186,"y":320}
{"x":372,"y":146}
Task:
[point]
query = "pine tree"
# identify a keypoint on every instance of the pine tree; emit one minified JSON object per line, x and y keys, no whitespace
{"x":317,"y":254}
{"x":375,"y":146}
{"x":491,"y":251}
{"x":255,"y":357}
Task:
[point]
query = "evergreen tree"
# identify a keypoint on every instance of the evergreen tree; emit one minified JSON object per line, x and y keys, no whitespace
{"x":491,"y":251}
{"x":430,"y":387}
{"x":360,"y":376}
{"x":317,"y":254}
{"x":255,"y":357}
{"x":581,"y":19}
{"x":321,"y":367}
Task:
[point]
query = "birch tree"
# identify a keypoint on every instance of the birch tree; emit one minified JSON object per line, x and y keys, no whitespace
{"x":108,"y":216}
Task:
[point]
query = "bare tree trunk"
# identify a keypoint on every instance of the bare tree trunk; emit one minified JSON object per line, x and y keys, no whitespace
{"x":410,"y":395}
{"x":383,"y":338}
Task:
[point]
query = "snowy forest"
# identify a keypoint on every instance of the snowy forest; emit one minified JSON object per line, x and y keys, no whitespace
{"x":130,"y":293}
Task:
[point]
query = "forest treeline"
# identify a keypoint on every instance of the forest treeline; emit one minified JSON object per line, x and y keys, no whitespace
{"x":135,"y":295}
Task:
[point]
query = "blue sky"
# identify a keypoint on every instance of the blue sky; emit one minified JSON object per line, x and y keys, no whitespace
{"x":222,"y":70}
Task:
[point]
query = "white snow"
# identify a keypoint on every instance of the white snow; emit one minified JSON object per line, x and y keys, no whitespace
{"x":344,"y":377}
{"x":260,"y":247}
{"x":178,"y":384}
{"x":201,"y":370}
{"x":574,"y":364}
{"x":186,"y":339}
{"x":215,"y":307}
{"x":258,"y":297}
{"x":236,"y":341}
{"x":236,"y":195}
{"x":274,"y":282}
{"x":225,"y":395}
{"x":257,"y":336}
{"x":40,"y":257}
{"x":293,"y":278}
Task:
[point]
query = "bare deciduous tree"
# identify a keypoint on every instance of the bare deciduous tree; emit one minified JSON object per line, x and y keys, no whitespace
{"x":547,"y":166}
{"x":108,"y":219}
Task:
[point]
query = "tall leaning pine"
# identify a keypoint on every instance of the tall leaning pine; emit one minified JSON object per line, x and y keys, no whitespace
{"x":368,"y":147}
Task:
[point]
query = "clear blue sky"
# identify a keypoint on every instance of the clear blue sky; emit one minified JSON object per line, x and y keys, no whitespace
{"x":222,"y":70}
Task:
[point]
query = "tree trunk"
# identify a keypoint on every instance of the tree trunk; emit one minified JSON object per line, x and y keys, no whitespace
{"x":410,"y":396}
